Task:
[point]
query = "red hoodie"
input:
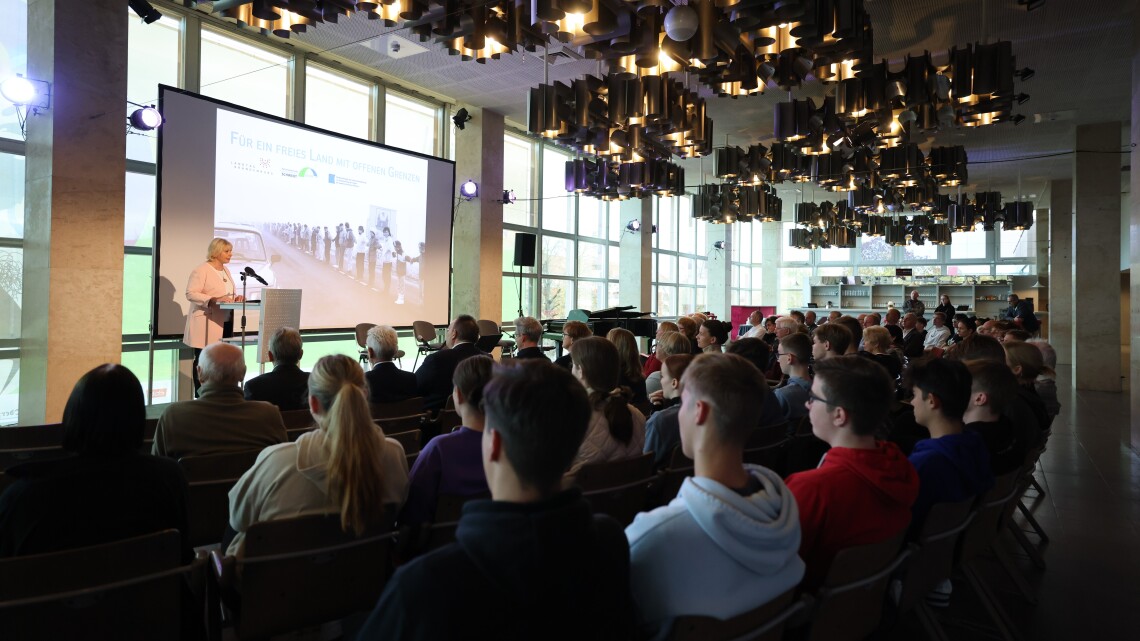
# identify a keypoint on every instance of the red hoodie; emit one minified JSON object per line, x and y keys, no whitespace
{"x":854,"y":497}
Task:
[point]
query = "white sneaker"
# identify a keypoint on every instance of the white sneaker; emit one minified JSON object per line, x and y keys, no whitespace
{"x":400,"y":300}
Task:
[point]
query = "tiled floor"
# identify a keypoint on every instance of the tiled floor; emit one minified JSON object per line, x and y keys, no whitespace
{"x":1090,"y":588}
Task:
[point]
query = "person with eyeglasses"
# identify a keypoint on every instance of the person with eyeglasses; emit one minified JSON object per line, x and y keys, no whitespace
{"x":793,"y":352}
{"x":863,"y":489}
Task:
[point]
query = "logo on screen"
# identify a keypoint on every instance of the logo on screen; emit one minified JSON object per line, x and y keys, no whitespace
{"x":307,"y":171}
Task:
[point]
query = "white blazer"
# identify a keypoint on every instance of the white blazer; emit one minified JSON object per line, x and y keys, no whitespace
{"x":205,"y":322}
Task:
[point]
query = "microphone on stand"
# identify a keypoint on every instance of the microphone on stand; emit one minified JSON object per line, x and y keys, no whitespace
{"x":248,"y":271}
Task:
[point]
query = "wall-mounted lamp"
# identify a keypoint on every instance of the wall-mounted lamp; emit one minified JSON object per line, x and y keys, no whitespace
{"x":145,"y":118}
{"x":509,"y":197}
{"x":145,"y":10}
{"x":460,"y":117}
{"x":29,"y":97}
{"x":633,"y":225}
{"x":719,"y":244}
{"x":469,"y":189}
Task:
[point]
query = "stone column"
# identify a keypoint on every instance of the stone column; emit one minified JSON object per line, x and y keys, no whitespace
{"x":1041,"y":255}
{"x":1134,"y":237}
{"x":477,"y":237}
{"x":1061,"y":269}
{"x":72,"y":314}
{"x":1096,"y":258}
{"x":719,"y":271}
{"x":635,"y":254}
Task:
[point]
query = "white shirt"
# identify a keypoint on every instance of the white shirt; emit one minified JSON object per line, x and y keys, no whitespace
{"x":937,"y":336}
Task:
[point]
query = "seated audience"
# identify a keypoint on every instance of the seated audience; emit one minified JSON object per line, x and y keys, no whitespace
{"x":795,"y":359}
{"x":387,"y":383}
{"x":689,"y":327}
{"x":769,"y":336}
{"x":452,"y":463}
{"x":856,"y":330}
{"x":914,"y":305}
{"x":653,"y":363}
{"x":1026,"y":363}
{"x":785,"y":326}
{"x":1046,"y":383}
{"x":832,"y":315}
{"x":953,"y":464}
{"x":629,"y":363}
{"x":891,"y":324}
{"x":662,"y":430}
{"x":617,"y":429}
{"x":755,"y":351}
{"x":829,"y":340}
{"x":728,"y":543}
{"x":977,"y":346}
{"x":670,"y":344}
{"x":286,"y":386}
{"x":938,"y":333}
{"x":220,"y":419}
{"x":991,"y":387}
{"x":572,"y":331}
{"x":108,"y":491}
{"x":863,"y":489}
{"x":532,"y":563}
{"x":1015,"y":336}
{"x":964,"y":327}
{"x":344,"y":466}
{"x":528,"y":336}
{"x":879,"y":347}
{"x":913,"y":337}
{"x":433,"y":378}
{"x":809,"y":321}
{"x":756,"y":325}
{"x":713,"y":336}
{"x":1021,"y":313}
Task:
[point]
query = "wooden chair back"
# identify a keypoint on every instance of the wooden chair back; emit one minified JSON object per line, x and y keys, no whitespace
{"x":128,"y":589}
{"x":410,"y":439}
{"x":850,"y":604}
{"x":596,"y":476}
{"x":301,"y":572}
{"x":31,"y":436}
{"x":449,"y":420}
{"x":621,"y":489}
{"x":405,"y":407}
{"x":449,"y":507}
{"x":297,"y":419}
{"x":932,"y":558}
{"x":211,"y":477}
{"x":764,"y":623}
{"x":14,"y":457}
{"x":986,"y":524}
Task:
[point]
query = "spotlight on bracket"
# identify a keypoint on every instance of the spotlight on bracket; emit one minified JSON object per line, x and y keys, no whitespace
{"x":718,"y":244}
{"x":509,"y":197}
{"x":25,"y":92}
{"x":633,"y":225}
{"x":145,"y":118}
{"x":469,"y":189}
{"x":461,"y":117}
{"x":145,"y":10}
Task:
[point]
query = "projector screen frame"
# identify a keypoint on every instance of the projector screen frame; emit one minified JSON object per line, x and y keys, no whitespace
{"x":156,"y":280}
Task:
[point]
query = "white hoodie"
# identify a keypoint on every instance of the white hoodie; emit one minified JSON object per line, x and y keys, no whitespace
{"x":714,"y":552}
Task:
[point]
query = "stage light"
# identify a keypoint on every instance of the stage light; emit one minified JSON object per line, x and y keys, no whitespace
{"x":145,"y":10}
{"x":469,"y":189}
{"x":18,"y":90}
{"x":146,"y":118}
{"x":509,"y":197}
{"x":633,"y":225}
{"x":719,"y":244}
{"x":460,"y":117}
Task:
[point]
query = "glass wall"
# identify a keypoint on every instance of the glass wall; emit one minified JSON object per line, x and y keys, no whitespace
{"x":338,"y":102}
{"x":680,"y":258}
{"x":411,"y":124}
{"x":238,"y":71}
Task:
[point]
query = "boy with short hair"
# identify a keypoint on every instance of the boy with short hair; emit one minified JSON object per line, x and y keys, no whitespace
{"x":992,"y":386}
{"x":794,"y":355}
{"x":830,"y":339}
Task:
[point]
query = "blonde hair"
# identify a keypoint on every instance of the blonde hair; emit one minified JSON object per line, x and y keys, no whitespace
{"x":876,"y":338}
{"x":217,"y":246}
{"x":355,"y":477}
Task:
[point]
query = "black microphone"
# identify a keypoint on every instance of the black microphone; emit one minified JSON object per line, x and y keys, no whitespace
{"x":248,"y":271}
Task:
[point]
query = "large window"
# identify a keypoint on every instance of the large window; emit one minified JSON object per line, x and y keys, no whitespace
{"x":338,"y":103}
{"x":680,"y":258}
{"x":13,"y":58}
{"x":237,"y":71}
{"x":11,"y":196}
{"x":411,"y":124}
{"x":152,"y":59}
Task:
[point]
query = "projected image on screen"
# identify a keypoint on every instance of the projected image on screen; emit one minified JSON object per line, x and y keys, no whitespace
{"x":362,"y":230}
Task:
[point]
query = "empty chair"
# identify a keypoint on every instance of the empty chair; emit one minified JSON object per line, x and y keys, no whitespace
{"x":849,"y":604}
{"x":491,"y":336}
{"x":765,"y":623}
{"x":301,"y":572}
{"x":210,"y":478}
{"x":425,"y":336}
{"x":129,"y":589}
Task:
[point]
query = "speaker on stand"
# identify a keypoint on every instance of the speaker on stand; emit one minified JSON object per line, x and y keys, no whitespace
{"x":524,"y":257}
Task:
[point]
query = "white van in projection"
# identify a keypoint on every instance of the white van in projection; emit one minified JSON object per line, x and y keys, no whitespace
{"x":249,"y":251}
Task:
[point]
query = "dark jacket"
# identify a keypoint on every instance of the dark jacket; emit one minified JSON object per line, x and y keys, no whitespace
{"x":913,"y":344}
{"x":286,"y":386}
{"x":530,"y":352}
{"x":389,"y":384}
{"x":433,"y":378}
{"x":546,"y":570}
{"x":950,"y":468}
{"x":565,"y":361}
{"x":88,"y":500}
{"x":1007,"y":453}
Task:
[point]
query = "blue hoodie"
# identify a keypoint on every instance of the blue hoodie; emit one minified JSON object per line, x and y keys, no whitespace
{"x":950,"y":468}
{"x":714,"y":552}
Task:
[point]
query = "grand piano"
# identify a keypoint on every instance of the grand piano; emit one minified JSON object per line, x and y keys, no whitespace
{"x":601,"y":322}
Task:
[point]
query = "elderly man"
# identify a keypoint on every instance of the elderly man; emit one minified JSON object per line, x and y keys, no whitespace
{"x":937,"y":335}
{"x":756,"y":320}
{"x":387,"y":383}
{"x":912,"y":304}
{"x":433,"y":379}
{"x":286,"y":386}
{"x":809,"y":321}
{"x":220,"y":420}
{"x":913,"y":338}
{"x":528,"y":334}
{"x":1021,"y":313}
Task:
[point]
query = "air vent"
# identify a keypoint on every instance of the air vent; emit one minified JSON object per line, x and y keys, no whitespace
{"x":556,"y":56}
{"x":394,"y":46}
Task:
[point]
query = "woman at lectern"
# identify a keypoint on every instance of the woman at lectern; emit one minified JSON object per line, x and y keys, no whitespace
{"x":210,"y":283}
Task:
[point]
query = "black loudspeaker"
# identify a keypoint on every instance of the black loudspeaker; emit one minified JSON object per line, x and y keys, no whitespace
{"x":524,"y":249}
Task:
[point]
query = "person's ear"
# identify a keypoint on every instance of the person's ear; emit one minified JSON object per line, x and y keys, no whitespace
{"x":269,"y":355}
{"x":314,"y":405}
{"x":980,"y":398}
{"x":703,"y":411}
{"x":495,"y":451}
{"x":459,"y":400}
{"x":371,"y":354}
{"x":840,"y":417}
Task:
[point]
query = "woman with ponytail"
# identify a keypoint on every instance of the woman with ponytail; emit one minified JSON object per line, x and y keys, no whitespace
{"x":617,"y":429}
{"x":346,"y":466}
{"x":453,"y":463}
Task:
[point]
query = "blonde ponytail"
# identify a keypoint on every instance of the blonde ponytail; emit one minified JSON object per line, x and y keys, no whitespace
{"x":355,"y":476}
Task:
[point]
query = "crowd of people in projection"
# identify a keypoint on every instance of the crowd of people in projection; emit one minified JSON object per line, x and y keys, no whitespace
{"x":364,"y":256}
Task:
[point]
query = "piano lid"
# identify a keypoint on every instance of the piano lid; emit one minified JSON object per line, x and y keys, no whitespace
{"x":586,"y":315}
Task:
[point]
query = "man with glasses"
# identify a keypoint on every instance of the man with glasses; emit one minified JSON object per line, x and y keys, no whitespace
{"x":863,"y":489}
{"x":793,"y":353}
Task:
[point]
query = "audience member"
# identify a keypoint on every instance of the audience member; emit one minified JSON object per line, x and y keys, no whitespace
{"x":891,"y":323}
{"x":938,"y":334}
{"x":1015,"y":336}
{"x":953,"y":464}
{"x":653,"y":363}
{"x":863,"y":489}
{"x":878,"y":347}
{"x":829,"y":340}
{"x":629,"y":363}
{"x":795,"y":359}
{"x":856,"y":333}
{"x":220,"y":420}
{"x":872,"y":320}
{"x":756,"y":323}
{"x":914,"y":305}
{"x":670,"y":344}
{"x":433,"y":378}
{"x":755,"y":351}
{"x":1021,"y":313}
{"x":1026,"y":363}
{"x":387,"y":383}
{"x":662,"y":430}
{"x":617,"y":429}
{"x":571,"y":331}
{"x":785,"y":326}
{"x":945,"y":307}
{"x":832,"y":315}
{"x":528,"y":336}
{"x":452,"y":464}
{"x":769,"y":336}
{"x":688,"y":327}
{"x":286,"y":386}
{"x":713,"y":336}
{"x":108,"y":491}
{"x":798,"y":316}
{"x":728,"y":543}
{"x":992,"y":385}
{"x":533,"y":562}
{"x":913,"y":338}
{"x":1046,"y":383}
{"x":346,"y":465}
{"x":809,"y":321}
{"x":977,"y":346}
{"x":964,"y":327}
